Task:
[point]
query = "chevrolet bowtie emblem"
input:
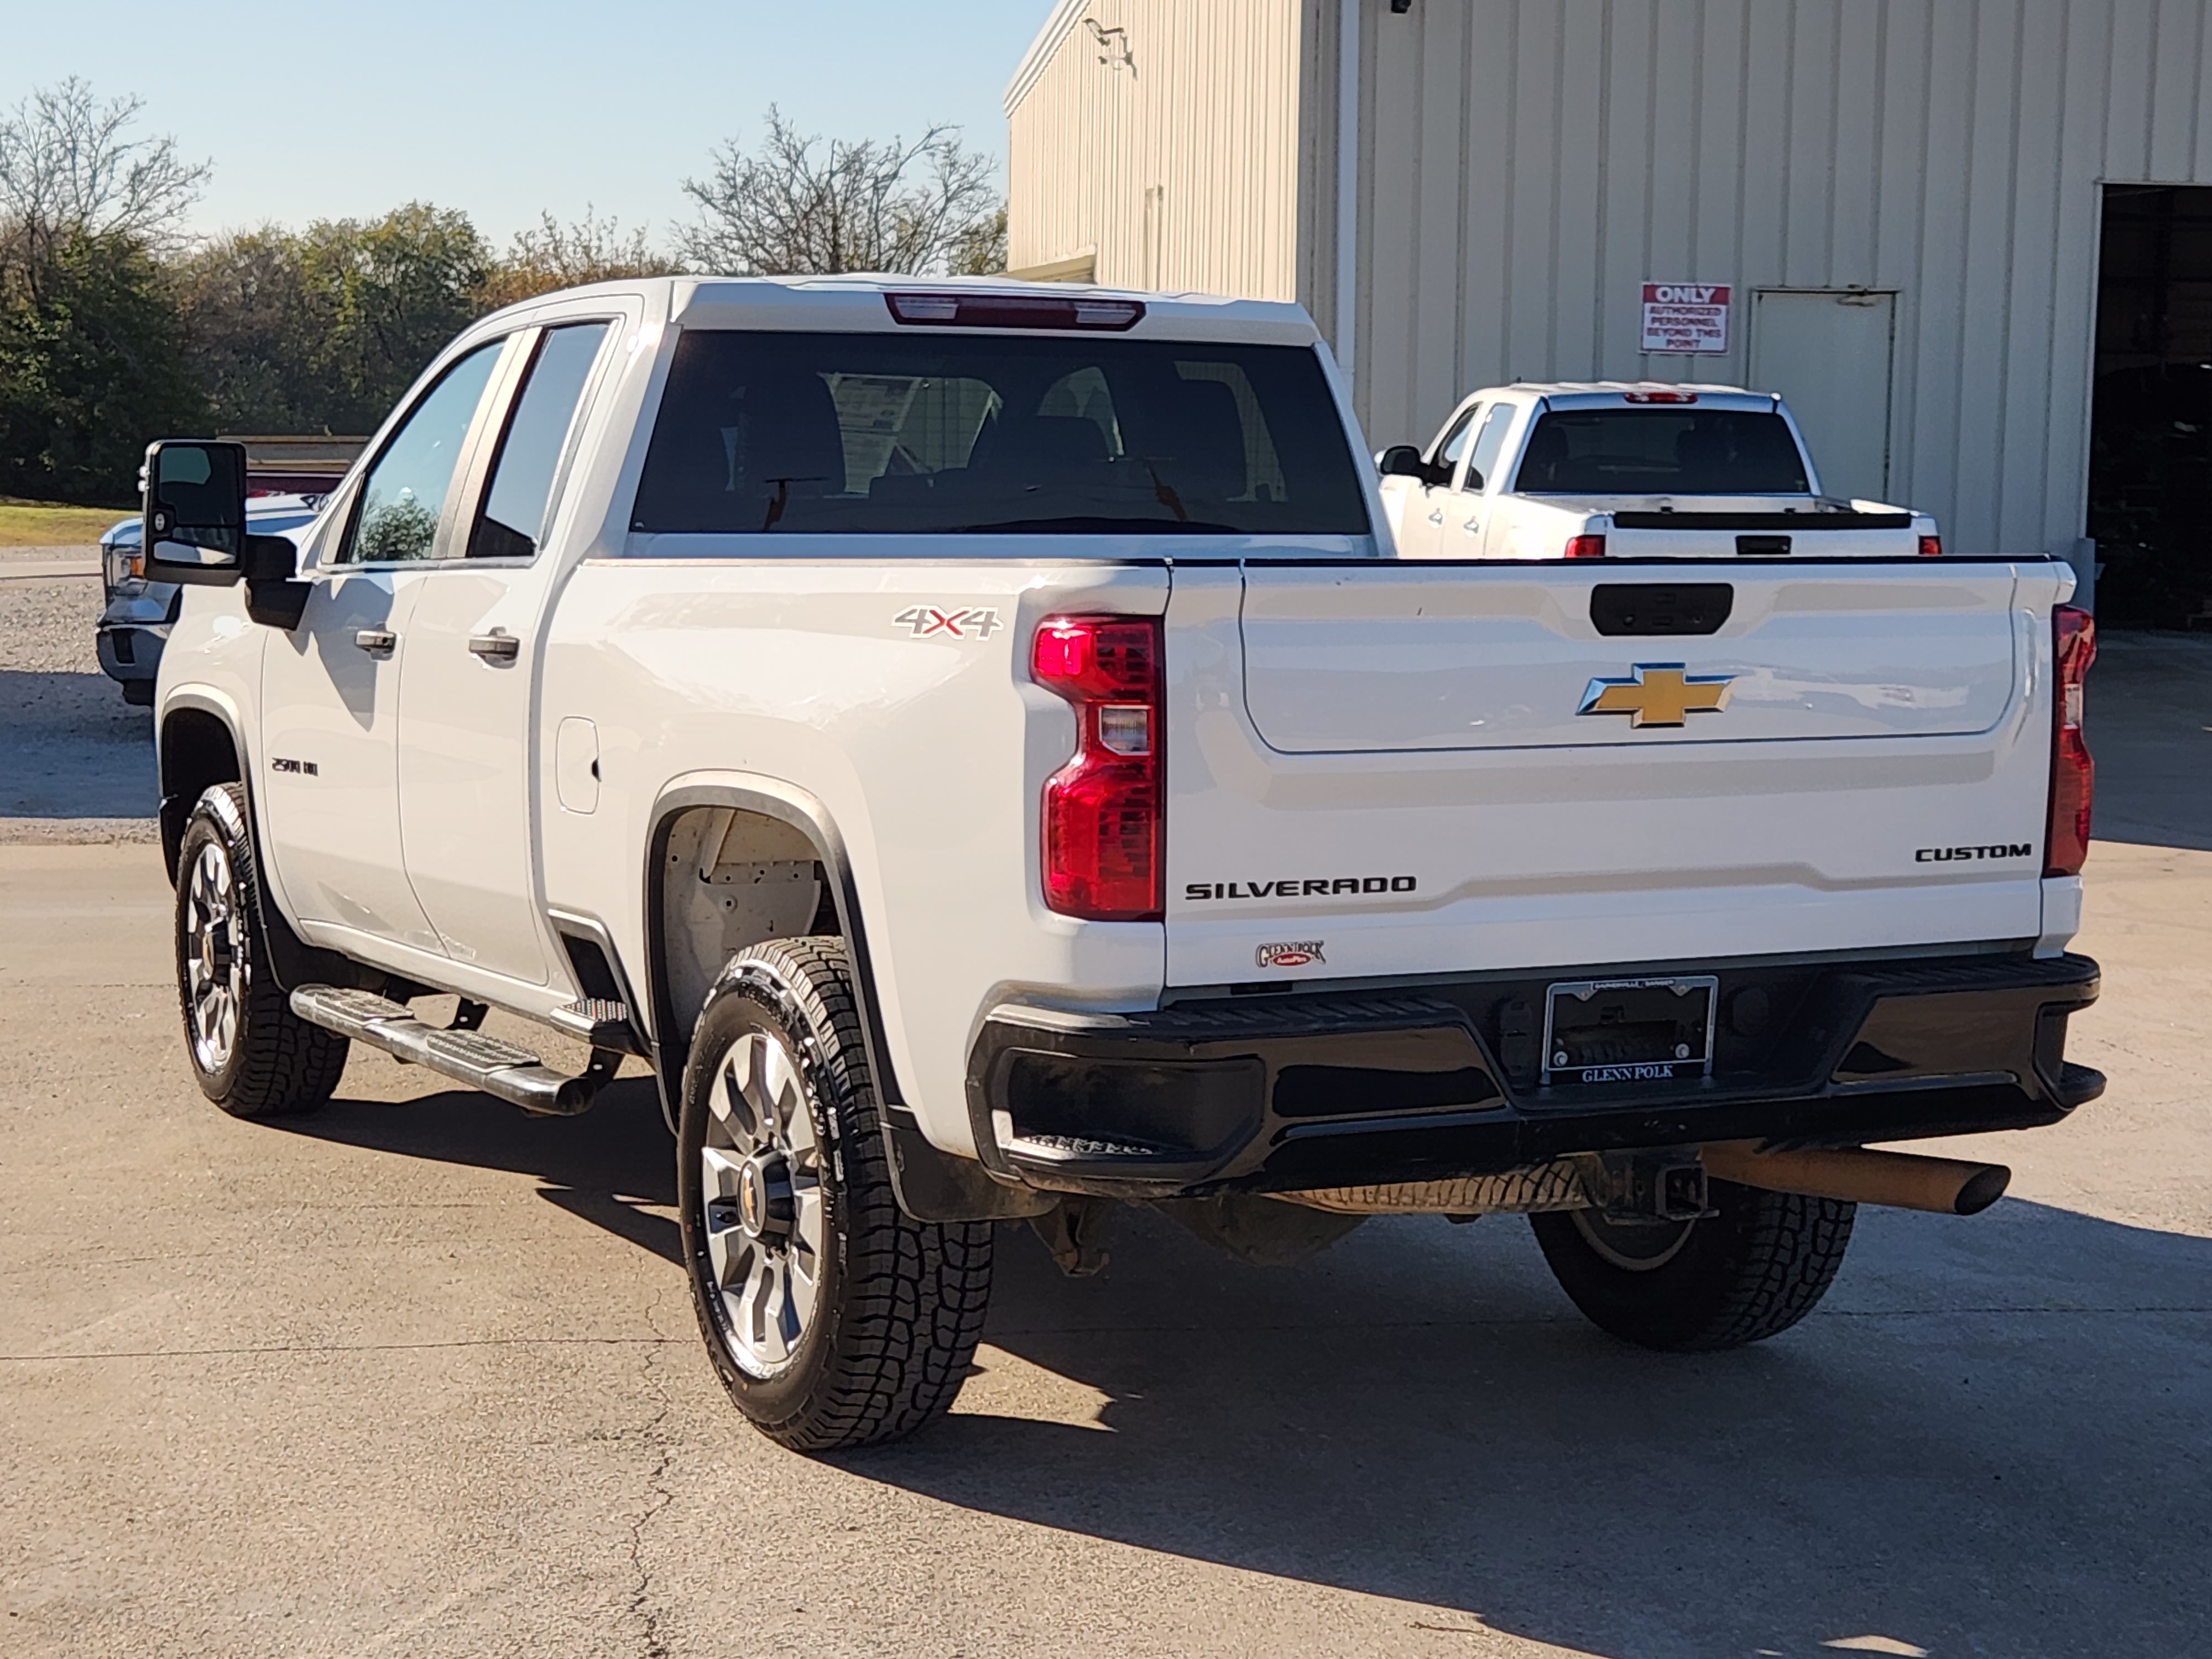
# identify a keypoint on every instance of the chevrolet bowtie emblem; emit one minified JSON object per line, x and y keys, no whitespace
{"x":1658,"y":694}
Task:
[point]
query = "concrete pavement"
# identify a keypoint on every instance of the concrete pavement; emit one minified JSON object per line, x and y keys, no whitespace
{"x":416,"y":1375}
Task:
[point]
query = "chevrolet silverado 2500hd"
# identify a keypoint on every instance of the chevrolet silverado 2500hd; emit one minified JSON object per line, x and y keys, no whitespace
{"x":977,"y":745}
{"x":1629,"y":470}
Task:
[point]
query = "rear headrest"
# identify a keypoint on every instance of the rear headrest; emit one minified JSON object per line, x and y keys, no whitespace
{"x":792,"y":433}
{"x":1547,"y":447}
{"x":1202,"y":446}
{"x":1042,"y":446}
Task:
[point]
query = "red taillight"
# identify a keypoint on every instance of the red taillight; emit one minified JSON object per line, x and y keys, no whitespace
{"x":1659,"y":397}
{"x":1102,"y":853}
{"x":2073,"y":774}
{"x":953,"y":308}
{"x":1585,"y":547}
{"x":1931,"y":547}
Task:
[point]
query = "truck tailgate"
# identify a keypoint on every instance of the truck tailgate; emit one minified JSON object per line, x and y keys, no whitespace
{"x":1385,"y":769}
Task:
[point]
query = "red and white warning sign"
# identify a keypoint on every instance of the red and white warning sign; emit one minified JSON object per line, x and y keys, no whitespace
{"x":1686,"y":317}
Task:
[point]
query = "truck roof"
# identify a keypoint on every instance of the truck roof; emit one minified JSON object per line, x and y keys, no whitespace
{"x":1614,"y":394}
{"x":856,"y":303}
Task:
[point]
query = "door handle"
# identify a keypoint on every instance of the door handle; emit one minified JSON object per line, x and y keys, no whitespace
{"x":1437,"y":517}
{"x":377,"y":641}
{"x":498,"y":646}
{"x":1471,"y":526}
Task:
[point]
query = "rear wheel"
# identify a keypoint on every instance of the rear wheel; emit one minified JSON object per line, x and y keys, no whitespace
{"x":1758,"y":1266}
{"x":834,"y":1318}
{"x":250,"y":1053}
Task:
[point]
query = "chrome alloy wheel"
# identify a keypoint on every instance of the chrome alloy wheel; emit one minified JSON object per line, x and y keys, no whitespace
{"x":215,"y":960}
{"x":761,"y":1188}
{"x":1636,"y":1247}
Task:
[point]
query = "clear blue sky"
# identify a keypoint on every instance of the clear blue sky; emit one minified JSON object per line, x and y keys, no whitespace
{"x":499,"y":108}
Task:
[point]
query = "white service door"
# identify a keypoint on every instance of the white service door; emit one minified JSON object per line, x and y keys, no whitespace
{"x":330,"y":811}
{"x":1828,"y":354}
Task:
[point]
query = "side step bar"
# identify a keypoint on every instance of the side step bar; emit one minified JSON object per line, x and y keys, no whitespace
{"x":514,"y":1075}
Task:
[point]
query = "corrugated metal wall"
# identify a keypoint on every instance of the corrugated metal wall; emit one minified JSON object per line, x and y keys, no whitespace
{"x":1530,"y":163}
{"x":1170,"y":148}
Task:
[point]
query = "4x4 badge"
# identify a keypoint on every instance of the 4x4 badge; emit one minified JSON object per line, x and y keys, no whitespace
{"x":925,"y":621}
{"x":1658,"y":694}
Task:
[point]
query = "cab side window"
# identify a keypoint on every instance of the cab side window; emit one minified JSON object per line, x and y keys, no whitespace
{"x":512,"y":521}
{"x":403,"y":494}
{"x":1452,"y":444}
{"x":1487,"y":443}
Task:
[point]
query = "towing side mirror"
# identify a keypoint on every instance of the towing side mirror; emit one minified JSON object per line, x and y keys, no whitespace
{"x":194,"y":525}
{"x":193,"y":530}
{"x":1404,"y":461}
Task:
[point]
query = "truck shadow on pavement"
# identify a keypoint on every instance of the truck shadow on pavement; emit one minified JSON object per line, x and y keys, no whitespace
{"x":609,"y":1167}
{"x":1992,"y":1438}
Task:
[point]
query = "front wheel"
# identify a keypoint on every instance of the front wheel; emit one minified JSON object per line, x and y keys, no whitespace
{"x":250,"y":1053}
{"x":1755,"y":1267}
{"x":834,"y":1318}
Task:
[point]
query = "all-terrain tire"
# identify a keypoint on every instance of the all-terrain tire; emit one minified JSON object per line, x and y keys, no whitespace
{"x":1756,"y":1268}
{"x":250,"y":1053}
{"x":898,"y":1304}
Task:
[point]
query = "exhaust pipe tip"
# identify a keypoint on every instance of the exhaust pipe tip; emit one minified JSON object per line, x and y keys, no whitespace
{"x":1981,"y":1189}
{"x":1940,"y":1186}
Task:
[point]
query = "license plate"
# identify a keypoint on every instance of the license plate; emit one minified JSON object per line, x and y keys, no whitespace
{"x":1629,"y":1030}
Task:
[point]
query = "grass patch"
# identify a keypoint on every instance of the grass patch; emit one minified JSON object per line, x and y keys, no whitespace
{"x":46,"y":524}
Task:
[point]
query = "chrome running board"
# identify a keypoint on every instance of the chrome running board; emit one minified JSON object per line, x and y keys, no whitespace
{"x":512,"y":1074}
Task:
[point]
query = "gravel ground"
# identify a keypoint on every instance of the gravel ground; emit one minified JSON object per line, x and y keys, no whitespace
{"x":76,"y":761}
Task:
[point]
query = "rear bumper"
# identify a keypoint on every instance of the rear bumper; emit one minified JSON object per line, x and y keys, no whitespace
{"x":1287,"y":1092}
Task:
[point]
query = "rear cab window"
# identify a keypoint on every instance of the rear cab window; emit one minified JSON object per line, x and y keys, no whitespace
{"x":763,"y":433}
{"x":1662,"y":451}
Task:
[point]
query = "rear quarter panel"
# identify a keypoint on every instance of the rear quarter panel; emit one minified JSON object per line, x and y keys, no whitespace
{"x":926,"y":747}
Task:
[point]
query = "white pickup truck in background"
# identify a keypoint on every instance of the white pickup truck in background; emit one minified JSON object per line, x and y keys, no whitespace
{"x":973,"y":745}
{"x":1629,"y":471}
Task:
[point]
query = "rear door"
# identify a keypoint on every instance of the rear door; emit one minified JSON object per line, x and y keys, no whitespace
{"x":1436,"y":769}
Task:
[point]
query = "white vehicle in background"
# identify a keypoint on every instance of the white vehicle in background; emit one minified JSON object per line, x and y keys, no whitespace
{"x":973,"y":745}
{"x":1608,"y":469}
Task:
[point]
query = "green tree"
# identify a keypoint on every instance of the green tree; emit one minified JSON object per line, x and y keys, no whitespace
{"x":250,"y":332}
{"x":381,"y":297}
{"x":92,"y":360}
{"x":91,"y":366}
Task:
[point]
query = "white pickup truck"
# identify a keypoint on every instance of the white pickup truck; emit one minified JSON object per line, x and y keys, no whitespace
{"x":1641,"y":471}
{"x":976,"y":745}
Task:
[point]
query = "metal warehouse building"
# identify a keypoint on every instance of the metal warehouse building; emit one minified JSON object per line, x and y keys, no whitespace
{"x":1970,"y":240}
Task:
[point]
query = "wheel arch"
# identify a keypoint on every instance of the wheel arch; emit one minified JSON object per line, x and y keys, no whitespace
{"x":197,"y":746}
{"x":931,"y":1185}
{"x":791,"y":809}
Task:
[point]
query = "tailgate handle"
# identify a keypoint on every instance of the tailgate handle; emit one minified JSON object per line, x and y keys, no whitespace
{"x":1762,"y":547}
{"x":1659,"y":608}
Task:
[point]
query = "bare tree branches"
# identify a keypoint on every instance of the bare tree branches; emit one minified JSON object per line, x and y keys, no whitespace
{"x":883,"y":206}
{"x":557,"y":256}
{"x":68,"y":169}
